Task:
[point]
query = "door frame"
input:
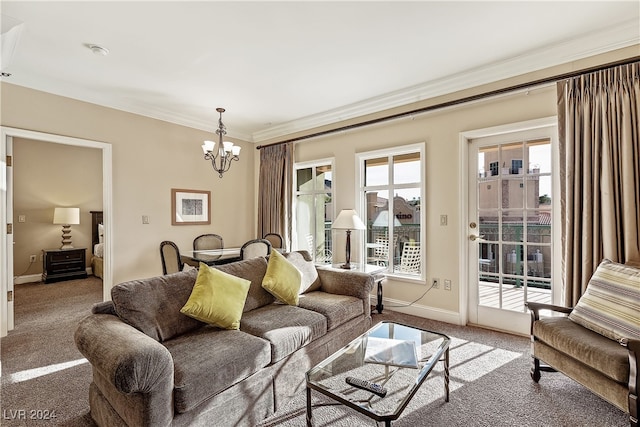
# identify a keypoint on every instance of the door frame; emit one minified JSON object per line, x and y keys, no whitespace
{"x":463,"y":245}
{"x":7,"y":133}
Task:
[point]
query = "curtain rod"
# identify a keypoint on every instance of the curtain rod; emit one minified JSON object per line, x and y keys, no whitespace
{"x":546,"y":80}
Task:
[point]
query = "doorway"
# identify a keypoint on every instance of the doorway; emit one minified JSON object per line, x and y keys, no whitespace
{"x":6,"y":213}
{"x":510,"y":235}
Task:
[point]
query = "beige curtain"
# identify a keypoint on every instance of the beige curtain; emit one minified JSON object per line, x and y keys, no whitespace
{"x":599,"y":172}
{"x":276,"y":189}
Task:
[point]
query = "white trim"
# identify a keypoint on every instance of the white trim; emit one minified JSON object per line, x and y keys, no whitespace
{"x":418,"y":310}
{"x":464,"y":140}
{"x":107,"y":202}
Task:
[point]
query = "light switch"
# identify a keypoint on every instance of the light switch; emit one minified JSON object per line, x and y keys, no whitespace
{"x":443,"y":220}
{"x":145,"y":219}
{"x":22,"y":218}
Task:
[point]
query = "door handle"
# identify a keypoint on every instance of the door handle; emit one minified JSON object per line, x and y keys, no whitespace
{"x":479,"y":238}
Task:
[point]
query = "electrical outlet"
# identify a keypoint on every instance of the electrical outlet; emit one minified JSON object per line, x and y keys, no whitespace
{"x":32,"y":258}
{"x":447,"y":284}
{"x":435,"y":283}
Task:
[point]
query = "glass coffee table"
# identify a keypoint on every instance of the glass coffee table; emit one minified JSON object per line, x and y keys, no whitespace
{"x":395,"y":356}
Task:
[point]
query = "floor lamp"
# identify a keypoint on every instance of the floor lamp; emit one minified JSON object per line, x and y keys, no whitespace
{"x":348,"y":220}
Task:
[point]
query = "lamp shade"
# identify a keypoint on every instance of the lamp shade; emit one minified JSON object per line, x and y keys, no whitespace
{"x":348,"y":219}
{"x":66,"y":216}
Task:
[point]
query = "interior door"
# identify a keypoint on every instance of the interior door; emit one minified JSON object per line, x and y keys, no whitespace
{"x":510,"y":230}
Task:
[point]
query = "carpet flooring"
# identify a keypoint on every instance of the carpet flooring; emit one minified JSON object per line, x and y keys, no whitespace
{"x":43,"y":374}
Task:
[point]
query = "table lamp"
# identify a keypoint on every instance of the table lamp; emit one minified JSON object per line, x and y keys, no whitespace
{"x":66,"y":217}
{"x":348,"y":219}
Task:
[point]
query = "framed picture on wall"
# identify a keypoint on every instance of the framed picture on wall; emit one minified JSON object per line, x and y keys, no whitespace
{"x":190,"y":207}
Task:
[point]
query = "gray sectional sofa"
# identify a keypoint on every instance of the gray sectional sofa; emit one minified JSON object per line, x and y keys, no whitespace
{"x":153,"y":366}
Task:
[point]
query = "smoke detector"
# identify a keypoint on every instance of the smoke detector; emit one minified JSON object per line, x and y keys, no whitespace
{"x":99,"y":50}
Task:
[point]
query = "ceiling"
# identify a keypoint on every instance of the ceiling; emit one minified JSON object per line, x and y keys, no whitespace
{"x":282,"y":67}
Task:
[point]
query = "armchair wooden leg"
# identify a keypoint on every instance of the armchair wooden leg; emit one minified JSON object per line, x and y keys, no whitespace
{"x":633,"y":410}
{"x":535,"y":369}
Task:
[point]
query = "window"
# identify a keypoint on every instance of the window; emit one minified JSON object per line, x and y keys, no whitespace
{"x":314,"y":211}
{"x":493,"y":166}
{"x":391,"y":191}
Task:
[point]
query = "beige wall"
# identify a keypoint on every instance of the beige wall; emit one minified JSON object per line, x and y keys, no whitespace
{"x":45,"y":176}
{"x":439,"y":132}
{"x":149,"y":158}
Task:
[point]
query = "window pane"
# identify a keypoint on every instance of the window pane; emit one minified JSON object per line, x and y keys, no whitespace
{"x":324,"y":178}
{"x":539,"y":156}
{"x":304,"y":222}
{"x":539,"y":190}
{"x":512,"y":226}
{"x":324,"y":218}
{"x":406,"y":168}
{"x":511,"y":155}
{"x":512,"y":192}
{"x":376,"y":218}
{"x":376,"y":171}
{"x":406,"y":206}
{"x":539,"y":226}
{"x":304,"y":179}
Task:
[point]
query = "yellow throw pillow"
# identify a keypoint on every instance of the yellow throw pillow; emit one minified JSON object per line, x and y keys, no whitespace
{"x":282,"y":279}
{"x":217,"y":298}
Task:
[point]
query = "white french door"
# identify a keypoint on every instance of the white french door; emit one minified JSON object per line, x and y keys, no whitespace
{"x":512,"y":245}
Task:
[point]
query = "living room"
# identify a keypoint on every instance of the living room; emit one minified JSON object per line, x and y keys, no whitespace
{"x":149,"y":156}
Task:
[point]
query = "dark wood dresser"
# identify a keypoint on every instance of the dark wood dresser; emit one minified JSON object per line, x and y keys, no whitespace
{"x":63,"y":264}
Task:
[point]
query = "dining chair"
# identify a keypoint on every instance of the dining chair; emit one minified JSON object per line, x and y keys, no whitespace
{"x":410,"y":258}
{"x":275,"y":239}
{"x":170,"y":256}
{"x":255,"y":248}
{"x":207,"y":241}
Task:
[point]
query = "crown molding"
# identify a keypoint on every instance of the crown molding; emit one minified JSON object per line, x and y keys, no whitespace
{"x":592,"y":44}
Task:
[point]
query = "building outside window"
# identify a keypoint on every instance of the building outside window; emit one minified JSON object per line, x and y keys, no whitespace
{"x":391,"y":192}
{"x":314,"y":212}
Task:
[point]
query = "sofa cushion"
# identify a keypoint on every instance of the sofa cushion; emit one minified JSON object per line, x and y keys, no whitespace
{"x":286,"y":327}
{"x":153,"y":305}
{"x":584,"y":345}
{"x":217,"y":298}
{"x":210,"y":360}
{"x":336,"y":308}
{"x":611,"y":304}
{"x":303,"y":262}
{"x":282,"y":279}
{"x":252,"y":269}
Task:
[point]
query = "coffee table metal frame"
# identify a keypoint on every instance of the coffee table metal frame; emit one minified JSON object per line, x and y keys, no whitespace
{"x":441,"y":354}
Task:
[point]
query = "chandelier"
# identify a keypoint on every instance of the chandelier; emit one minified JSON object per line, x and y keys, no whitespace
{"x":226,"y":153}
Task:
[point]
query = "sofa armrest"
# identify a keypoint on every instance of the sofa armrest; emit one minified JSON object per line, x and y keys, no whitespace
{"x":130,"y":360}
{"x":350,"y":283}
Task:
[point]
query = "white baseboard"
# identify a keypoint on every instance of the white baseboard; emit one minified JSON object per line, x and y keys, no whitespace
{"x":29,"y":278}
{"x":424,"y":311}
{"x":32,"y":278}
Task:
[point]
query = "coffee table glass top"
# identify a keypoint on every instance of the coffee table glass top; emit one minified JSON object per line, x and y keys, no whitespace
{"x":398,"y":357}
